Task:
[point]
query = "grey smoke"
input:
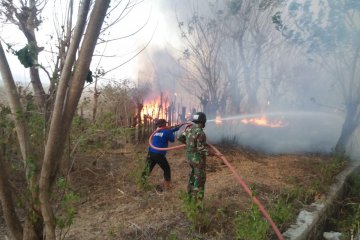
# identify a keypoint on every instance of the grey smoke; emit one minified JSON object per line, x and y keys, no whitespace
{"x":305,"y":132}
{"x":301,"y":86}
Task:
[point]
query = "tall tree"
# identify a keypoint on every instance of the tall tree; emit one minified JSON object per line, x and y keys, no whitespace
{"x":202,"y":38}
{"x":11,"y":219}
{"x":248,"y":25}
{"x":40,"y":173}
{"x":27,"y":17}
{"x":331,"y":35}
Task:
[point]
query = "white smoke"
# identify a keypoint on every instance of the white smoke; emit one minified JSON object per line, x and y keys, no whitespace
{"x":304,"y":132}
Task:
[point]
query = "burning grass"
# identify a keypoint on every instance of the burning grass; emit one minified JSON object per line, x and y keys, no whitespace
{"x":285,"y":132}
{"x":264,"y":121}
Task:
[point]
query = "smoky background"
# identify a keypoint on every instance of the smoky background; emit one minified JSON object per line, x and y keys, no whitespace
{"x":285,"y":82}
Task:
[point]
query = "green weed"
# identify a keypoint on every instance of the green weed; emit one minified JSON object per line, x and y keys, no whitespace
{"x":282,"y":211}
{"x":250,"y":225}
{"x":172,"y":236}
{"x":354,"y":185}
{"x":331,"y":168}
{"x":66,"y":211}
{"x":348,"y":219}
{"x":138,"y":173}
{"x":200,"y":220}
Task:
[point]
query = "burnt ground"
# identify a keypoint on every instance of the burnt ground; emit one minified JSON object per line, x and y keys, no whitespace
{"x":113,"y":206}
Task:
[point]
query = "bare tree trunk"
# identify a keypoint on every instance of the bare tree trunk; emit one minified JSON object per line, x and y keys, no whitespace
{"x":183,"y":115}
{"x":252,"y":102}
{"x":56,"y":127}
{"x":85,"y":57}
{"x":32,"y":228}
{"x":11,"y":219}
{"x":15,"y":105}
{"x":139,"y":109}
{"x":160,"y":108}
{"x":29,"y":32}
{"x":59,"y":65}
{"x":256,"y":80}
{"x":349,"y":126}
{"x":126,"y":122}
{"x":37,"y":86}
{"x":145,"y":127}
{"x":63,"y":113}
{"x":96,"y":97}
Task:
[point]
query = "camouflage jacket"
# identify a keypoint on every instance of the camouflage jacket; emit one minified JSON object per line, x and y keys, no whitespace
{"x":195,"y":139}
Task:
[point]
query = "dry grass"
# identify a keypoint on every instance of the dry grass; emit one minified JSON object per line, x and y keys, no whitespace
{"x":113,"y":206}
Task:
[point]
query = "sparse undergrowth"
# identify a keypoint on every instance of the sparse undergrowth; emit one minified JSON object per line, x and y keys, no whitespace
{"x":347,"y":219}
{"x":111,"y":189}
{"x":222,"y":218}
{"x":283,"y":207}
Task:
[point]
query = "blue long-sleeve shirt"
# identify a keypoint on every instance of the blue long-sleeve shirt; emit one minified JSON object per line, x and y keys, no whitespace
{"x":162,"y":138}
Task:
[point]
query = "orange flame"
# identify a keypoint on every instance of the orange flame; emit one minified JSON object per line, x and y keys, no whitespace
{"x":156,"y":107}
{"x":263,"y":121}
{"x":153,"y":109}
{"x":218,"y":119}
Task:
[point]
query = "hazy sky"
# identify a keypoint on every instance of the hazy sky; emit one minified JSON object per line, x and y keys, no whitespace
{"x":158,"y":29}
{"x":162,"y":28}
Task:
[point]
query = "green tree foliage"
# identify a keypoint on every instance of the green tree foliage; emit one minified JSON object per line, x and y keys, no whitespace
{"x":28,"y":55}
{"x":42,"y":143}
{"x":7,"y":137}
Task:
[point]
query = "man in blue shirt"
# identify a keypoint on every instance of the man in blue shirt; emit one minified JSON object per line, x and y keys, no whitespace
{"x":160,"y":139}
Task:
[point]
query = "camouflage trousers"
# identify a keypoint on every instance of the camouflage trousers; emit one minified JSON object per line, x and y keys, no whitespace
{"x":197,"y":179}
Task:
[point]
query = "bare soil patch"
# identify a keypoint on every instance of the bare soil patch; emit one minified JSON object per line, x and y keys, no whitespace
{"x":113,"y":206}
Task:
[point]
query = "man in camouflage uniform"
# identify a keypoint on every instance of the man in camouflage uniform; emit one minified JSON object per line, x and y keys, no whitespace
{"x":195,"y":139}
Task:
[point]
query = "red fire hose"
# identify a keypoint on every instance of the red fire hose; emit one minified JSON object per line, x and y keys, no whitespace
{"x":168,"y":148}
{"x":248,"y":191}
{"x":237,"y":176}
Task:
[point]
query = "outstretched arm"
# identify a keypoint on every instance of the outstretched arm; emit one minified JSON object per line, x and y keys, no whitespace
{"x":175,"y":128}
